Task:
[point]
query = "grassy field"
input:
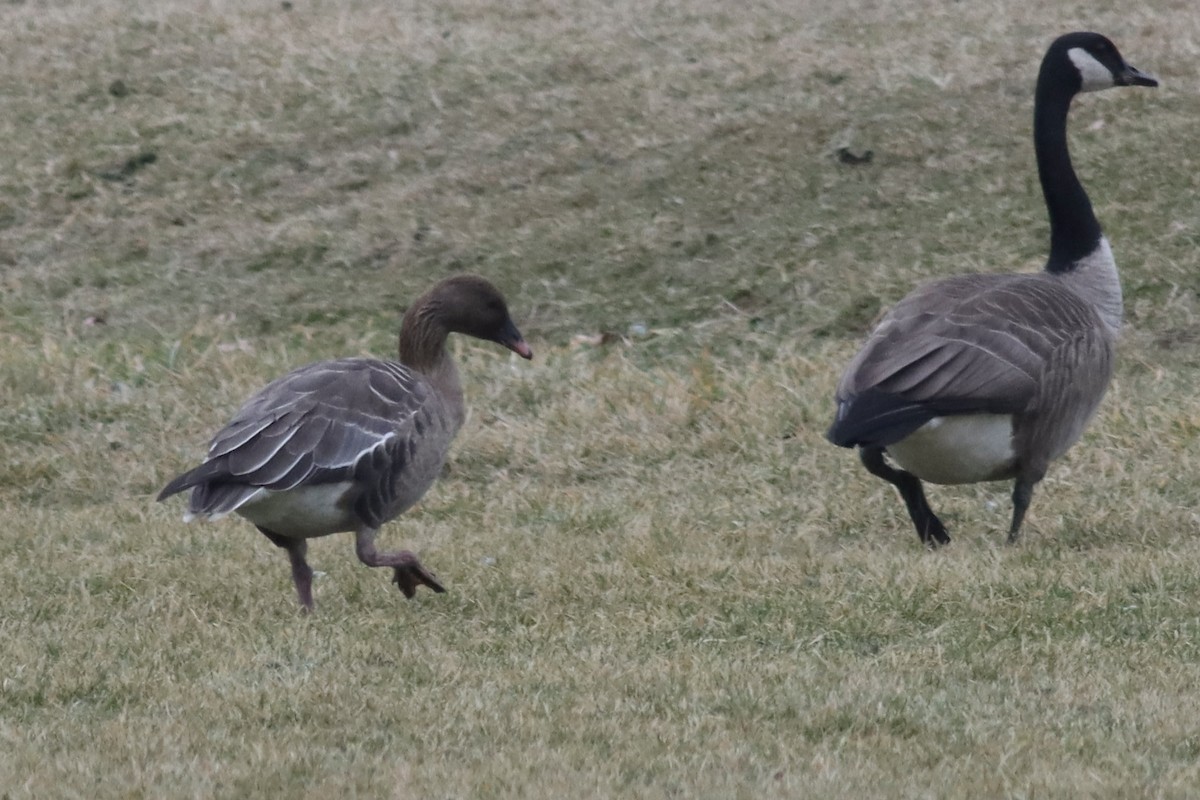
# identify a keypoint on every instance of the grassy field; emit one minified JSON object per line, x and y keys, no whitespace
{"x":662,"y":581}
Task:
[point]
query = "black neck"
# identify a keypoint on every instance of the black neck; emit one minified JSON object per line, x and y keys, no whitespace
{"x":1074,"y":230}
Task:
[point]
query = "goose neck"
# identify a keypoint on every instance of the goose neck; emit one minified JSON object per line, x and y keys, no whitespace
{"x":1074,"y":230}
{"x":423,"y":349}
{"x":422,"y":338}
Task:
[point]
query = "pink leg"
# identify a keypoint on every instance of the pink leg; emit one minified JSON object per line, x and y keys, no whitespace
{"x":408,"y":575}
{"x":301,"y":572}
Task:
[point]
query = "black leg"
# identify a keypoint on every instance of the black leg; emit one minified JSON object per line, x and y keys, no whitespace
{"x":1022,"y":494}
{"x":929,"y":527}
{"x":301,"y":572}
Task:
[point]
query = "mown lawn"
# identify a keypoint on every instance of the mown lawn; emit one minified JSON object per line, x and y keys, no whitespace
{"x":663,"y":582}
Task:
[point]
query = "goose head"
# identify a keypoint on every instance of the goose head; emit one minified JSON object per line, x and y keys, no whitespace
{"x":1093,"y":63}
{"x":469,"y":305}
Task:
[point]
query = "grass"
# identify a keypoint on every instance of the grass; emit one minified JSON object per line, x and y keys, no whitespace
{"x":662,"y":581}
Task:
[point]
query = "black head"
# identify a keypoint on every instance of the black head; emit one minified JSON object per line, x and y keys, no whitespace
{"x":470,"y":305}
{"x":1093,"y":62}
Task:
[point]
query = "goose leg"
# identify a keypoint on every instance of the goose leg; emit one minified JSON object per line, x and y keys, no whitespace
{"x":301,"y":572}
{"x":409,"y":573}
{"x":929,"y":527}
{"x":1022,"y":494}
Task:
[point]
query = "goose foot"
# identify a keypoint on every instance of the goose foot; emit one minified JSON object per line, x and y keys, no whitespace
{"x":932,"y":532}
{"x":407,"y":571}
{"x":929,"y":528}
{"x":409,"y":576}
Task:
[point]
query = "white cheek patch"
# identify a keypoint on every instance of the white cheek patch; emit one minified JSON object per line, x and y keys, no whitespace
{"x":1094,"y":75}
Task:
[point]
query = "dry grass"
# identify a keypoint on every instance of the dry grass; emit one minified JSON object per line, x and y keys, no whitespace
{"x":662,"y":581}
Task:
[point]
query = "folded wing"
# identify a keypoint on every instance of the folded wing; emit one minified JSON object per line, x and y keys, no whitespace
{"x":967,"y":345}
{"x":352,"y":419}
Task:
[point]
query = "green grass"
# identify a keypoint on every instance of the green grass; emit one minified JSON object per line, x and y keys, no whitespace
{"x":662,"y":581}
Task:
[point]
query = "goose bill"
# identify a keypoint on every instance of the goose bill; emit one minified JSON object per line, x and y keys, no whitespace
{"x":1132,"y":76}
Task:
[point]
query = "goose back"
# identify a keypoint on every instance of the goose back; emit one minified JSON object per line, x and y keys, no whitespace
{"x":365,"y":437}
{"x":1021,"y":345}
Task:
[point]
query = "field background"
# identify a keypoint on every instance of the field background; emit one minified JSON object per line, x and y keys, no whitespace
{"x":662,"y":581}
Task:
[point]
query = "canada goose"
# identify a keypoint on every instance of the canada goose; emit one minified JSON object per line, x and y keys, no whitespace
{"x":991,"y":377}
{"x":347,"y":445}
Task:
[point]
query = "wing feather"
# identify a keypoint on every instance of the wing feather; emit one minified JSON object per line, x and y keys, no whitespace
{"x":296,"y":473}
{"x":258,"y":451}
{"x":966,"y":345}
{"x":332,"y":421}
{"x":237,"y":433}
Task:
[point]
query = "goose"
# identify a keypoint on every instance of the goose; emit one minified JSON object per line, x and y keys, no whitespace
{"x":992,"y":377}
{"x":349,"y":444}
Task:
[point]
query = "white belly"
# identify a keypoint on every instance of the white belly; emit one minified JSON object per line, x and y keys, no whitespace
{"x":965,"y":449}
{"x":303,"y":512}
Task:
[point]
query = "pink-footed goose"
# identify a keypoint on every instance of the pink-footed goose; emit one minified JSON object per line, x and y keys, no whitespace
{"x":347,"y":445}
{"x":992,"y":377}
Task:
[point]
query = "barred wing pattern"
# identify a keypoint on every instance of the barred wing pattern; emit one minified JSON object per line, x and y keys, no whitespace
{"x":375,"y":424}
{"x":965,"y":345}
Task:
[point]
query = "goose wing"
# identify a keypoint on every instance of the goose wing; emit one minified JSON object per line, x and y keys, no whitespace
{"x":967,"y":345}
{"x":352,"y":419}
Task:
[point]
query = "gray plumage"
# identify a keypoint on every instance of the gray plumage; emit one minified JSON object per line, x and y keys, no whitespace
{"x":375,"y":424}
{"x":349,"y":444}
{"x":1025,"y":345}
